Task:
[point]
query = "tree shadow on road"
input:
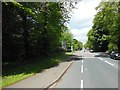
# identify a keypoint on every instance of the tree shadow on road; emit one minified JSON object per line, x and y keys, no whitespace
{"x":102,"y":54}
{"x":75,"y":58}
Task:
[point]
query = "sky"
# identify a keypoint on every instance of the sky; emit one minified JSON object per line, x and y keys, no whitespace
{"x":82,"y":18}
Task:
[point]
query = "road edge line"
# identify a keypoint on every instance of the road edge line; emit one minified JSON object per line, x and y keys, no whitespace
{"x":56,"y":80}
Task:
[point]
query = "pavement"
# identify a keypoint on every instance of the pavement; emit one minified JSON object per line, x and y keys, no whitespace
{"x":44,"y":79}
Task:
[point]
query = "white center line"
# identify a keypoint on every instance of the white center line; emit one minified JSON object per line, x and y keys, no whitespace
{"x":81,"y":84}
{"x":82,"y":61}
{"x":82,"y":69}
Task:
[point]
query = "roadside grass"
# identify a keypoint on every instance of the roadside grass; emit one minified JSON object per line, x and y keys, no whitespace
{"x":69,"y":53}
{"x":13,"y":75}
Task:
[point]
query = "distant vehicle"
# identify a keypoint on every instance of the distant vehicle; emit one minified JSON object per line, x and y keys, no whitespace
{"x":115,"y":55}
{"x":69,"y":49}
{"x":91,"y":50}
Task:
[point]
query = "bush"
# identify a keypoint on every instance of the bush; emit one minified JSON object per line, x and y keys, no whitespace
{"x":112,"y":47}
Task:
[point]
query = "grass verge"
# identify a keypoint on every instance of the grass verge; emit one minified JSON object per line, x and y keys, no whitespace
{"x":13,"y":75}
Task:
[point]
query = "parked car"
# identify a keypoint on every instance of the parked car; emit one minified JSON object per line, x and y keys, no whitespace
{"x":115,"y":55}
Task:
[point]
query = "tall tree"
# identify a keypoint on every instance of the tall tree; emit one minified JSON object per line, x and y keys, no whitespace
{"x":106,"y":27}
{"x":33,"y":29}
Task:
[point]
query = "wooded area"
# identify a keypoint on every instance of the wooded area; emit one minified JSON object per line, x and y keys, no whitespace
{"x":105,"y":33}
{"x":33,"y":29}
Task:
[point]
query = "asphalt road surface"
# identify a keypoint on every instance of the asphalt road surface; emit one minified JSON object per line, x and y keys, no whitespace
{"x":93,"y":70}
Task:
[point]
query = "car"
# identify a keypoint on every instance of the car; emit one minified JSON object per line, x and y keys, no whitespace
{"x":115,"y":55}
{"x":91,"y":50}
{"x":69,"y":49}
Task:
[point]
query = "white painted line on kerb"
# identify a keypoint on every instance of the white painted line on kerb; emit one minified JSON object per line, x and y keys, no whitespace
{"x":82,"y":69}
{"x":81,"y":84}
{"x":109,"y":63}
{"x":82,"y":61}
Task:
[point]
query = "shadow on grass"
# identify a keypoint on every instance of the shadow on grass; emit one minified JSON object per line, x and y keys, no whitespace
{"x":35,"y":65}
{"x":19,"y":70}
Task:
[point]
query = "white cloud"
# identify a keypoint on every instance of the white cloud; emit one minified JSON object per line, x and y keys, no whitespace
{"x":85,"y":11}
{"x":81,"y":35}
{"x":81,"y":20}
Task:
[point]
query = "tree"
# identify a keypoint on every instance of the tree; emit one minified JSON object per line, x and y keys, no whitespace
{"x":77,"y":45}
{"x":106,"y":27}
{"x":112,"y":23}
{"x":67,"y":38}
{"x":33,"y":29}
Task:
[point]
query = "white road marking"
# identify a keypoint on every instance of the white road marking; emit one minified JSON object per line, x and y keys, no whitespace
{"x":100,"y":58}
{"x":105,"y":61}
{"x":88,"y":57}
{"x":109,"y":63}
{"x":82,"y":69}
{"x":82,"y":61}
{"x":81,"y":84}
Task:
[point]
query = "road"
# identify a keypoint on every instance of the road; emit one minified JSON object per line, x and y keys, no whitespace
{"x":93,"y":70}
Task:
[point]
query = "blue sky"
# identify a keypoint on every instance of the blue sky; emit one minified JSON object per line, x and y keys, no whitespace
{"x":82,"y":17}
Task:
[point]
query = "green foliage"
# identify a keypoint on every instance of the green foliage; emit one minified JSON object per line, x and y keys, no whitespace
{"x":77,"y":45}
{"x":33,"y":29}
{"x":105,"y":31}
{"x":69,"y":42}
{"x":67,"y":38}
{"x":112,"y":47}
{"x":21,"y":72}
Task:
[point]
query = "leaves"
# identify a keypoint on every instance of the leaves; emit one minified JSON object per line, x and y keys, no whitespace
{"x":33,"y":29}
{"x":105,"y":31}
